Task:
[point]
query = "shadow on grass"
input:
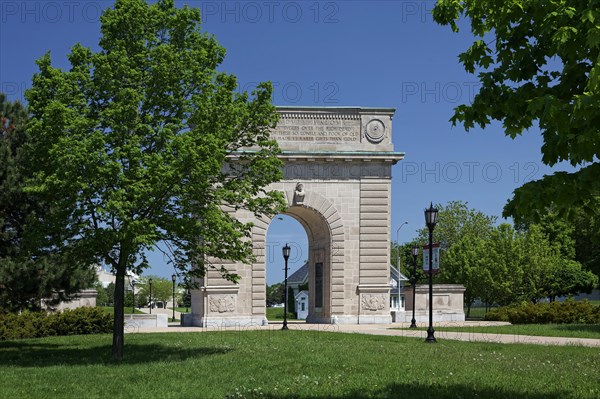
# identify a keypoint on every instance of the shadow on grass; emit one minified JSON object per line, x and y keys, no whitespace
{"x":422,"y":391}
{"x":32,"y":353}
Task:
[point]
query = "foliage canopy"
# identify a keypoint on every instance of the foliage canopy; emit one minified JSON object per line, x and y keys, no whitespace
{"x":539,"y":64}
{"x":145,"y":145}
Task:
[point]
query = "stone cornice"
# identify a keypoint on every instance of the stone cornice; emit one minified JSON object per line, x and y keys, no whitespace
{"x":329,"y":156}
{"x":334,"y":112}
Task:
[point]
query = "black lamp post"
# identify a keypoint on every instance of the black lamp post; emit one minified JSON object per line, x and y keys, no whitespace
{"x":173,"y":277}
{"x":415,"y":253}
{"x":431,"y":216}
{"x":286,"y":256}
{"x":150,"y":304}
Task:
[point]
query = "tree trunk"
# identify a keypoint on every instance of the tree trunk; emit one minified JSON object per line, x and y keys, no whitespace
{"x":119,"y":307}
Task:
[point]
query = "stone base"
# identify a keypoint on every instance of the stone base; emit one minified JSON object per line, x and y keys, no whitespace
{"x":423,"y":317}
{"x":341,"y":319}
{"x":217,"y":322}
{"x":345,"y":319}
{"x":375,"y":319}
{"x":134,"y":322}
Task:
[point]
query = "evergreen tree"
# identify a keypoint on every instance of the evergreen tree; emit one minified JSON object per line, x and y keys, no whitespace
{"x":291,"y":302}
{"x":27,"y":274}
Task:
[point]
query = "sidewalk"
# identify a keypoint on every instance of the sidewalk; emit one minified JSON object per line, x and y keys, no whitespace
{"x":388,"y":330}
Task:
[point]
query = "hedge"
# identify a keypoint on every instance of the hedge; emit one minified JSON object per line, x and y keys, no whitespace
{"x":569,"y":312}
{"x":86,"y":320}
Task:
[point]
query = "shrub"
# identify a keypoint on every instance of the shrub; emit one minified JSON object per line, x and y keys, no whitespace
{"x":39,"y":324}
{"x":569,"y":312}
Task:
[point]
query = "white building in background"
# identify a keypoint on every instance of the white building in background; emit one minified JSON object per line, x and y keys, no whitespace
{"x":87,"y":297}
{"x":302,"y":305}
{"x":397,"y":297}
{"x":106,"y":277}
{"x":298,"y":279}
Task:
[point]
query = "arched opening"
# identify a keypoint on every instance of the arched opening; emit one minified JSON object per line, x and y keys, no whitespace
{"x":309,"y":277}
{"x":283,"y":230}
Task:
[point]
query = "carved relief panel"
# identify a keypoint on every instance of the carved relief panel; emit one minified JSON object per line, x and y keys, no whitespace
{"x":221,"y":303}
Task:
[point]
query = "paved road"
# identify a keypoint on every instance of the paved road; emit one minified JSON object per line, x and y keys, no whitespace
{"x":386,"y":329}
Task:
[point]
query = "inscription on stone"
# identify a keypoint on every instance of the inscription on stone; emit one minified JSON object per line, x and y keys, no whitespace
{"x":314,"y":170}
{"x":317,"y":130}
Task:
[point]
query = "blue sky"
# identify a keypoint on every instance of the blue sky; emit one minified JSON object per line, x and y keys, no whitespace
{"x":326,"y":53}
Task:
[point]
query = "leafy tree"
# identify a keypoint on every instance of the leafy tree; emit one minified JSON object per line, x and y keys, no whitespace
{"x":567,"y":277}
{"x":455,"y":221}
{"x":505,"y":257}
{"x":27,"y":274}
{"x":527,"y":266}
{"x":162,"y":290}
{"x":540,"y":257}
{"x":467,"y":263}
{"x":577,"y":238}
{"x":186,"y":299}
{"x":548,"y":273}
{"x":128,"y":300}
{"x":586,"y":234}
{"x":102,"y":297}
{"x":110,"y":293}
{"x":144,"y":144}
{"x":275,"y":294}
{"x":291,"y":302}
{"x":538,"y":64}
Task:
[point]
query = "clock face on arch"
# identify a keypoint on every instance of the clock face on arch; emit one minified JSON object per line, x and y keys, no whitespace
{"x":375,"y":131}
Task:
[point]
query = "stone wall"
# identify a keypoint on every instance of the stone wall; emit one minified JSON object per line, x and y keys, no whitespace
{"x":85,"y":298}
{"x":448,"y":303}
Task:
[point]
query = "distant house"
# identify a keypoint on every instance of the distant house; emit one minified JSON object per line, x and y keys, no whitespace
{"x":397,"y":300}
{"x":298,"y":281}
{"x":301,"y":305}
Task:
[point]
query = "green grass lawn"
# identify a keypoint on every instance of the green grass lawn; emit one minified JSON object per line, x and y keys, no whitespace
{"x":476,"y":313}
{"x":277,"y":314}
{"x":293,"y":364}
{"x":540,"y":330}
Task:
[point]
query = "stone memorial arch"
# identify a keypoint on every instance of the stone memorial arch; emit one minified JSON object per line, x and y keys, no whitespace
{"x":337,"y":182}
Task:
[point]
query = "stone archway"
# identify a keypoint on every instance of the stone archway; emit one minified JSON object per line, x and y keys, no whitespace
{"x":342,"y":157}
{"x":325,"y":233}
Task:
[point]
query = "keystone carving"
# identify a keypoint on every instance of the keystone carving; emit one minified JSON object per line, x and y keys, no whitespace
{"x":299,"y":194}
